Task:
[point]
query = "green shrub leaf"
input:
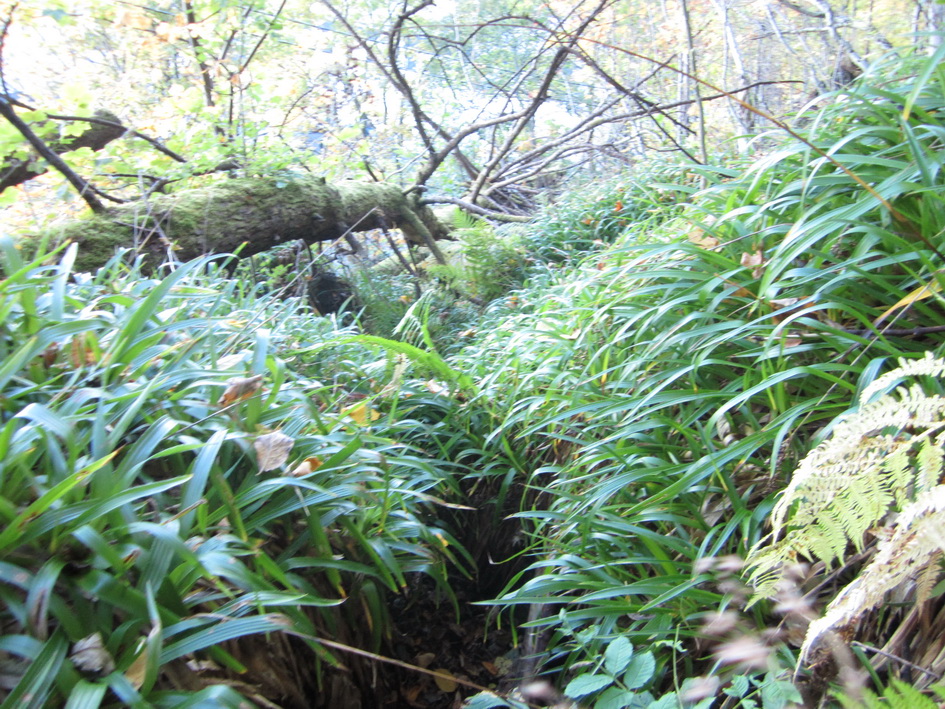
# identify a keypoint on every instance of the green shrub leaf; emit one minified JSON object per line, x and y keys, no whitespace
{"x":582,"y":685}
{"x":640,"y":670}
{"x":617,"y":656}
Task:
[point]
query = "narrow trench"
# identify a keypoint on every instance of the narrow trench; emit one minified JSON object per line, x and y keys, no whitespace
{"x":472,"y":645}
{"x":475,"y":646}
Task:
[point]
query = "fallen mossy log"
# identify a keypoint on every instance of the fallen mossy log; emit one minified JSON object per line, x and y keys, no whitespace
{"x":248,"y":216}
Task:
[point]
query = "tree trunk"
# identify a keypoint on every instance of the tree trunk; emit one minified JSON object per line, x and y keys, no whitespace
{"x":248,"y":216}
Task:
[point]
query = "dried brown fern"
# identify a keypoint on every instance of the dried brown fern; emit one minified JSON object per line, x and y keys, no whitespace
{"x":880,"y":470}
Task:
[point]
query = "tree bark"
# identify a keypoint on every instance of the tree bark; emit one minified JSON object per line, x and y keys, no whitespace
{"x":248,"y":216}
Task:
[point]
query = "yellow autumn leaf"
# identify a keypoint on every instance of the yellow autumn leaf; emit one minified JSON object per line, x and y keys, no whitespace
{"x":361,"y":414}
{"x":444,"y":680}
{"x":926,"y":290}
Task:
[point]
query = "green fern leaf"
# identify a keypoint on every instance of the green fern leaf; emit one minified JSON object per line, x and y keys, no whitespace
{"x":885,"y":456}
{"x":898,"y":695}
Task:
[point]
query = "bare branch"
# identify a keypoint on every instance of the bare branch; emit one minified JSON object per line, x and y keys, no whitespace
{"x":797,"y":8}
{"x":14,"y":171}
{"x":474,"y":208}
{"x":263,"y":38}
{"x":421,"y":118}
{"x":393,"y":44}
{"x":80,"y":185}
{"x":3,"y":38}
{"x":541,"y":96}
{"x":99,"y":121}
{"x":201,"y":64}
{"x":525,"y":167}
{"x":127,"y":131}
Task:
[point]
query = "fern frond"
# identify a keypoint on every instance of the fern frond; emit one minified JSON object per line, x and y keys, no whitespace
{"x":929,"y":462}
{"x":929,"y":365}
{"x":928,"y":577}
{"x":858,"y":443}
{"x":898,"y":695}
{"x":880,"y":458}
{"x":413,"y":328}
{"x":918,"y":539}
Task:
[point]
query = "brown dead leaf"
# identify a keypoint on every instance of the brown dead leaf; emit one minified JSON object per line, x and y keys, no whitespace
{"x":434,"y":387}
{"x":698,"y":237}
{"x":80,"y":351}
{"x":490,"y":668}
{"x":272,"y":450}
{"x":89,"y":655}
{"x":50,"y":354}
{"x":239,"y":388}
{"x":309,"y":465}
{"x":754,"y":260}
{"x":412,"y":693}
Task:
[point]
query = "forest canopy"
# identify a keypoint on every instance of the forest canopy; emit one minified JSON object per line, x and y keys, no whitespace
{"x":489,"y":107}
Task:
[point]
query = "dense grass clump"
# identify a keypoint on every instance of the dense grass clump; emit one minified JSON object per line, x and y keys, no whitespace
{"x":660,"y":390}
{"x":190,"y":468}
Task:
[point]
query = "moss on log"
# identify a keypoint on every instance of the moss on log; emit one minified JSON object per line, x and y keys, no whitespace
{"x":248,"y":216}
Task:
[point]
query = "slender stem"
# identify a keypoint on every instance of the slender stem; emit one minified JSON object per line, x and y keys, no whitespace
{"x":898,"y":659}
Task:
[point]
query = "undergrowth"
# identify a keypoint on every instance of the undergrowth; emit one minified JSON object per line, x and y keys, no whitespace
{"x":191,"y":471}
{"x":184,"y":472}
{"x":660,"y":390}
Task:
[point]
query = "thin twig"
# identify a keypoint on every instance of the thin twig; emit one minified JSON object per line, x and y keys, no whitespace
{"x":3,"y":39}
{"x":201,"y":64}
{"x":895,"y":213}
{"x":262,"y":39}
{"x":901,"y":660}
{"x":474,"y":208}
{"x":112,"y":124}
{"x":398,"y":663}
